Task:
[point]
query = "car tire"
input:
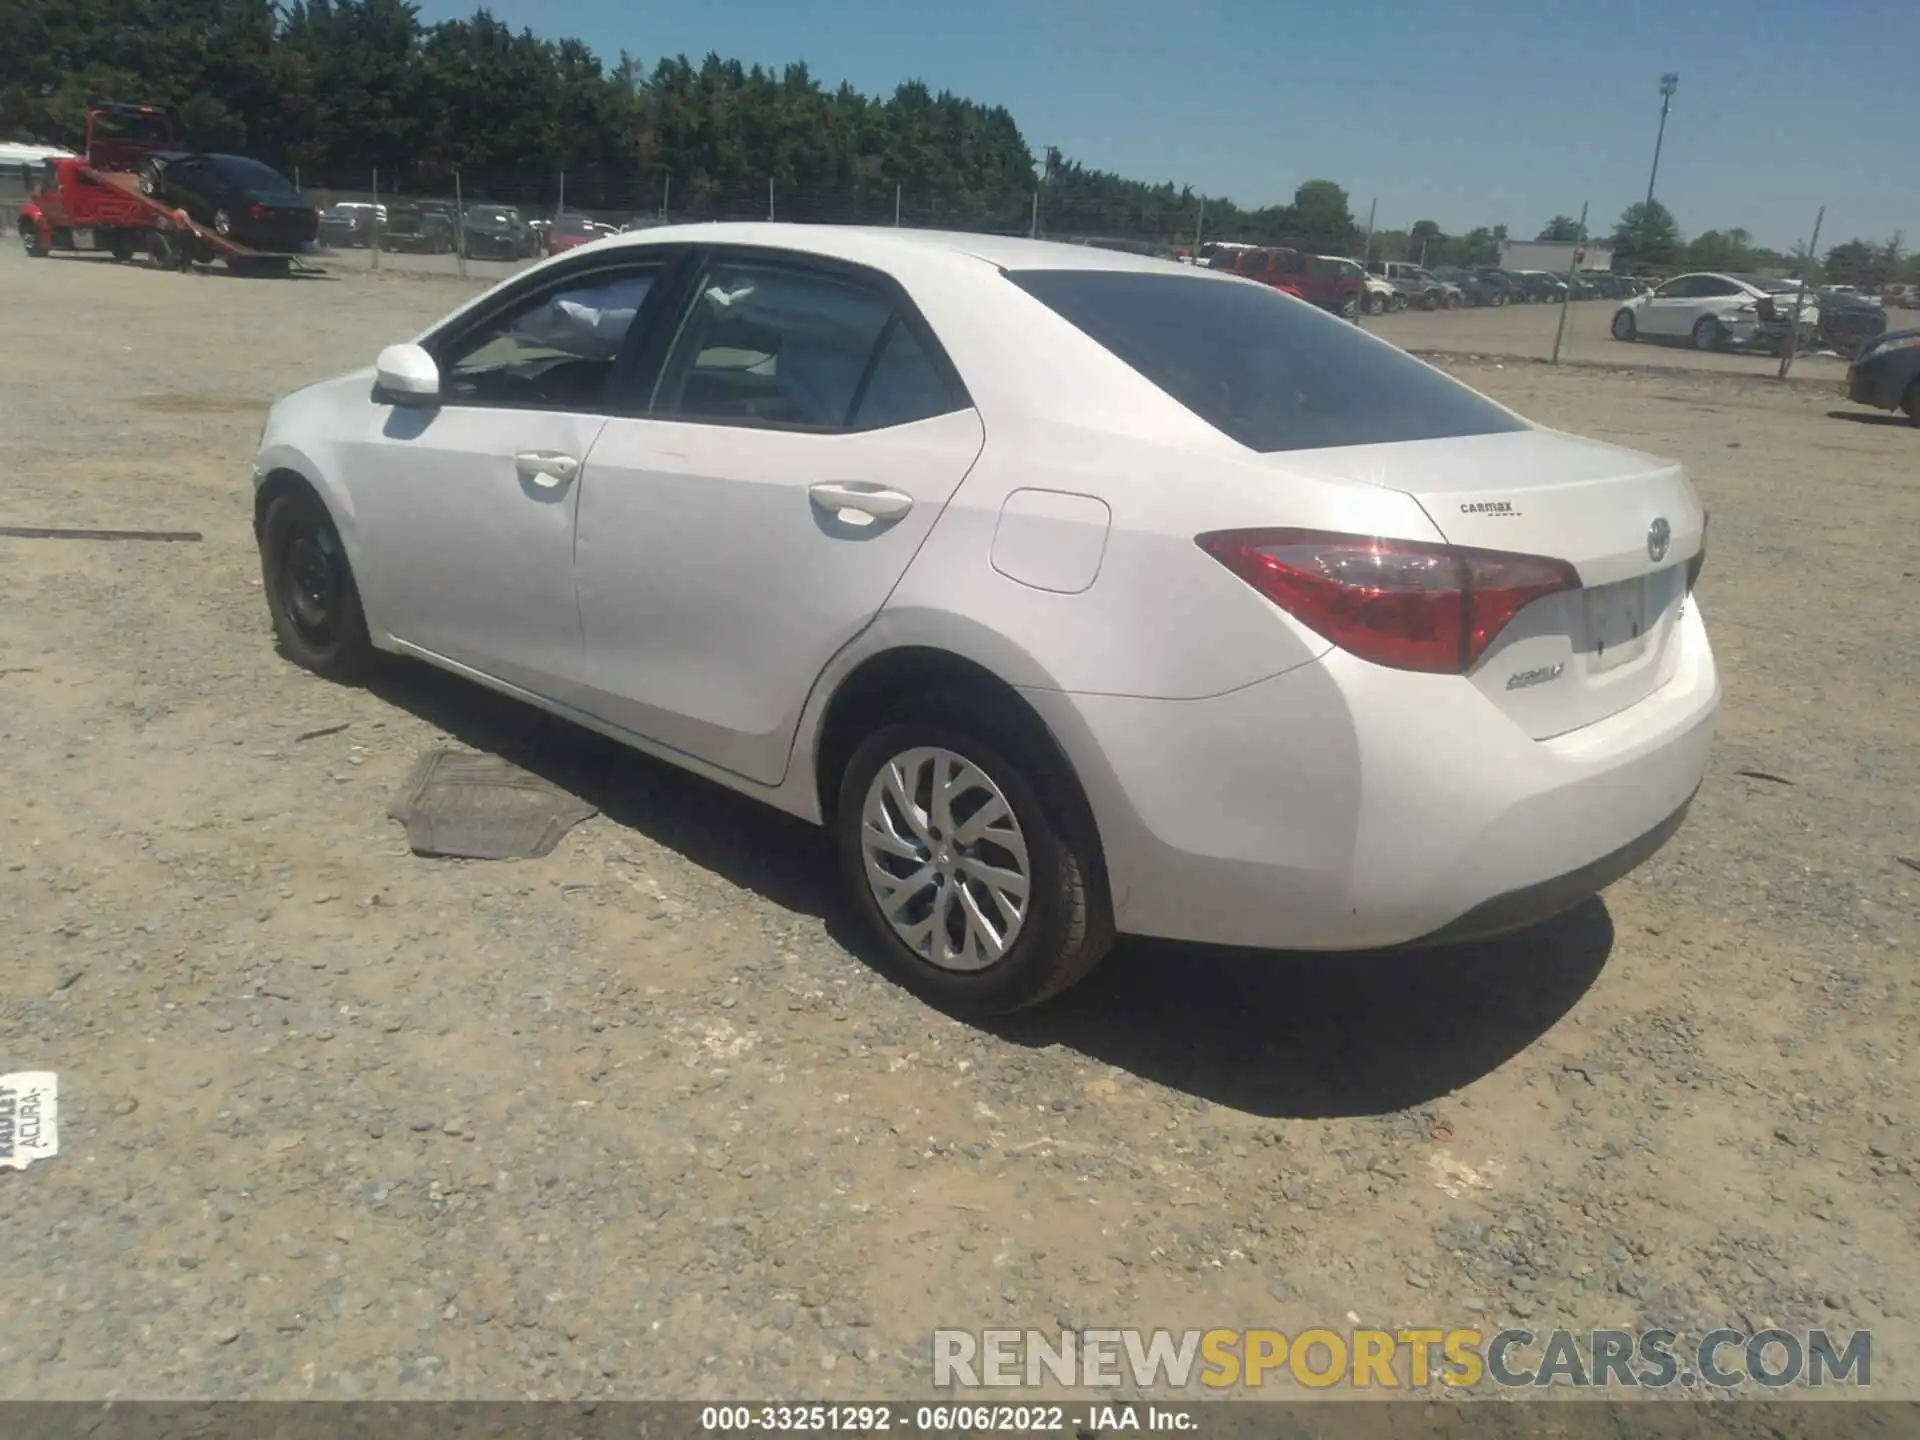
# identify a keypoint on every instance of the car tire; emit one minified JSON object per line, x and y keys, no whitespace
{"x":1911,"y":402}
{"x":1499,"y":301}
{"x":165,"y":251}
{"x":1623,"y":325}
{"x":1708,"y":334}
{"x":149,"y":179}
{"x":31,"y":242}
{"x":311,"y":592}
{"x":1065,"y":927}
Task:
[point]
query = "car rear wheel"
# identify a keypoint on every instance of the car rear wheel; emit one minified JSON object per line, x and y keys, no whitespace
{"x":1623,"y":328}
{"x":972,"y":868}
{"x":1707,"y":334}
{"x":310,"y":589}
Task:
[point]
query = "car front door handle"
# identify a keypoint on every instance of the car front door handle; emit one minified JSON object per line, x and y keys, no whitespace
{"x":858,"y":503}
{"x":545,"y":468}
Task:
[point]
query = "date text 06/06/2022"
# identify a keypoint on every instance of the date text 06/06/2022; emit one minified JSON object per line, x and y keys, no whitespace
{"x":946,"y":1419}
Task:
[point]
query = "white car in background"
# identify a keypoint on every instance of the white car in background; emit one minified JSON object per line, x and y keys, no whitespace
{"x":1714,"y":311}
{"x":1074,"y":591}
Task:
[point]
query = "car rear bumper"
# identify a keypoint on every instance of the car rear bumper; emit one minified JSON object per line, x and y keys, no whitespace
{"x":1283,"y":816}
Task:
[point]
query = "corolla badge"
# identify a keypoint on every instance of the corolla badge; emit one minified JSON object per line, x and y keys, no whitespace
{"x":1659,"y":536}
{"x":1526,"y":678}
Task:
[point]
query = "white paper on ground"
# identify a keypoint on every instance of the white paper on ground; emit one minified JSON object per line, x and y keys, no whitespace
{"x":29,"y":1118}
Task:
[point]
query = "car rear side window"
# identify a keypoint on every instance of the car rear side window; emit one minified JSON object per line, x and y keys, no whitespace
{"x":1270,"y":372}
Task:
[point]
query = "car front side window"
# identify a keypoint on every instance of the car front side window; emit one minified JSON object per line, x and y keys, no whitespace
{"x":776,"y":346}
{"x":554,"y":350}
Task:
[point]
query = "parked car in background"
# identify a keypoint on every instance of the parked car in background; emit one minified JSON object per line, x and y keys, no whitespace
{"x":350,"y":224}
{"x":1317,"y":279}
{"x":1849,"y":322}
{"x":1478,"y":290}
{"x":569,"y":232}
{"x":1544,"y":288}
{"x":238,"y":199}
{"x":1509,"y":284}
{"x":785,"y":506}
{"x":418,"y":230}
{"x":496,"y":232}
{"x":1886,"y":375}
{"x":1713,"y":311}
{"x":1420,"y":287}
{"x":1379,"y":296}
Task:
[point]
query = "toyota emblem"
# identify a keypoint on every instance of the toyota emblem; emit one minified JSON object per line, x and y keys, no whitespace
{"x":1659,"y":536}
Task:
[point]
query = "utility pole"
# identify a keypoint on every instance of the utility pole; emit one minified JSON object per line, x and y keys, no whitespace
{"x":1668,"y":84}
{"x":1199,"y":227}
{"x":1366,"y":255}
{"x":1800,"y":296}
{"x":1573,"y":267}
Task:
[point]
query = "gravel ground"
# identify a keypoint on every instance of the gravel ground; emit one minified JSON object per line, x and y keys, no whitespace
{"x":634,"y":1119}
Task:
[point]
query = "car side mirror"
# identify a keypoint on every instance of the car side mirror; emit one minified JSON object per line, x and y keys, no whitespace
{"x":407,"y":375}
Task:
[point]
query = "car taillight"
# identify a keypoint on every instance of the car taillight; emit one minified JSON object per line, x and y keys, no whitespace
{"x":256,"y":212}
{"x":1699,"y":561}
{"x":1400,"y":603}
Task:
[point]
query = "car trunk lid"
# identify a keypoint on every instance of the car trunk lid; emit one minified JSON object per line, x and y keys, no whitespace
{"x":1627,"y":523}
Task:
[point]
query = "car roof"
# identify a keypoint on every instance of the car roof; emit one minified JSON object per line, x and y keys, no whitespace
{"x":880,"y":246}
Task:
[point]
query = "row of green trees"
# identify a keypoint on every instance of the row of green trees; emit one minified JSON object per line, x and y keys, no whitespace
{"x":339,"y":90}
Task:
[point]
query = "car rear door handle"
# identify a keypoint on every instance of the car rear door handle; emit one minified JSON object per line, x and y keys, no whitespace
{"x":545,"y":468}
{"x":859,"y":503}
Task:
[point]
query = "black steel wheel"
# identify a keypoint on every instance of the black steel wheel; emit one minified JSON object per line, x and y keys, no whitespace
{"x":310,"y":588}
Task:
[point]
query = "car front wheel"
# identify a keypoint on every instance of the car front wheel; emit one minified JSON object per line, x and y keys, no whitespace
{"x":1707,"y":334}
{"x":31,"y":242}
{"x":310,"y":589}
{"x":1623,"y":328}
{"x":980,"y":883}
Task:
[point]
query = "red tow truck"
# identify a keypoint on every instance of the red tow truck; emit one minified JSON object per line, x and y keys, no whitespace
{"x":101,"y":202}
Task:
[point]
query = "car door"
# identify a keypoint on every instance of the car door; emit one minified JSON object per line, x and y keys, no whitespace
{"x":184,"y":184}
{"x":1668,"y":311}
{"x":466,"y":510}
{"x":803,"y":434}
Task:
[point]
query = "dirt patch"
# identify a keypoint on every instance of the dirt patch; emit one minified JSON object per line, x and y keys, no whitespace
{"x":202,"y":404}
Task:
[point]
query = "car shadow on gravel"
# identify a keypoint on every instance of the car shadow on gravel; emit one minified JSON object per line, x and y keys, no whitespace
{"x":1305,"y":1035}
{"x":1313,"y":1035}
{"x":1871,"y":417}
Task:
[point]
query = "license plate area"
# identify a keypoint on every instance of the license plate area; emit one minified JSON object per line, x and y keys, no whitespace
{"x":1617,"y":621}
{"x":83,"y":239}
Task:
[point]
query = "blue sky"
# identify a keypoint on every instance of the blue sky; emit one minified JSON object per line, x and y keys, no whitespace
{"x":1471,"y":112}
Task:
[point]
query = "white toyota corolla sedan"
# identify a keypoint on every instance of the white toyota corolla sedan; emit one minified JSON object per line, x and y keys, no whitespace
{"x":1074,"y":591}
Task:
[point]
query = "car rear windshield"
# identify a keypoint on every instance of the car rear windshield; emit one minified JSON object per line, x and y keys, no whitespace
{"x":1268,"y":371}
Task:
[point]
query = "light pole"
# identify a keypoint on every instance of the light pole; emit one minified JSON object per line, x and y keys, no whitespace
{"x":1668,"y":84}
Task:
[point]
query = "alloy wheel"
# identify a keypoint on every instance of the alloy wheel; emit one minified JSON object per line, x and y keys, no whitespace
{"x":945,"y":858}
